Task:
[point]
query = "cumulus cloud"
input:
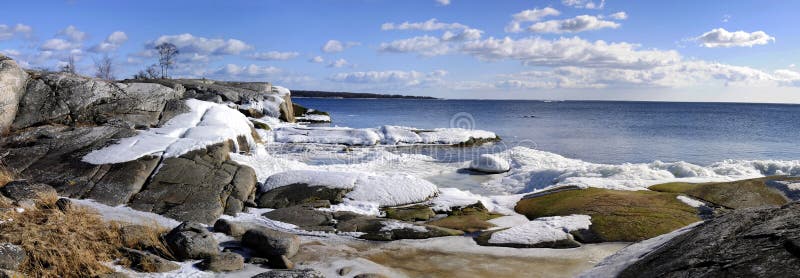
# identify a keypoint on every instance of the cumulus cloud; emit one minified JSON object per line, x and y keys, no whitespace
{"x":569,"y":51}
{"x":572,"y":25}
{"x":8,"y":32}
{"x":619,"y":16}
{"x":443,"y":2}
{"x":317,"y":59}
{"x":429,"y":25}
{"x":423,"y":45}
{"x":73,"y":34}
{"x":338,"y":63}
{"x":111,"y":43}
{"x":274,"y":56}
{"x":529,"y":16}
{"x":248,"y":71}
{"x":466,"y":34}
{"x":584,"y":4}
{"x":188,"y":43}
{"x":722,"y":38}
{"x":57,"y":45}
{"x":409,"y":78}
{"x":334,"y":46}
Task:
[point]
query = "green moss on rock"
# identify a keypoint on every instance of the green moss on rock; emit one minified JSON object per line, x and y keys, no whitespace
{"x":736,"y":194}
{"x":472,"y":218}
{"x":411,"y":213}
{"x":616,"y":215}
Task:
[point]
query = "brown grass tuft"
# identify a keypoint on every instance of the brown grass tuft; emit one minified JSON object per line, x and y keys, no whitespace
{"x":6,"y":176}
{"x":73,"y":244}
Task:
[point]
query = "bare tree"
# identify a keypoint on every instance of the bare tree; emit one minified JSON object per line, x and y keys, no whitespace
{"x":70,"y":66}
{"x":150,"y":72}
{"x":105,"y":68}
{"x":167,"y":53}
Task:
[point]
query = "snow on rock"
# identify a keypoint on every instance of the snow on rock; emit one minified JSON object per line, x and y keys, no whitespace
{"x":314,"y":118}
{"x":612,"y":265}
{"x":127,"y":214}
{"x":397,"y":225}
{"x":388,"y":135}
{"x":360,"y":207}
{"x":544,"y":229}
{"x":488,"y":163}
{"x":207,"y":124}
{"x":691,"y":202}
{"x":534,"y":170}
{"x":326,"y":135}
{"x":385,"y":190}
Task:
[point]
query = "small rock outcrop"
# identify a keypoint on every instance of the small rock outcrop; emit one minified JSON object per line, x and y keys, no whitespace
{"x":224,"y":262}
{"x":753,"y":242}
{"x":24,"y":190}
{"x":297,"y":194}
{"x":191,"y":240}
{"x":271,"y":243}
{"x":293,"y":273}
{"x":145,"y":262}
{"x":11,"y":256}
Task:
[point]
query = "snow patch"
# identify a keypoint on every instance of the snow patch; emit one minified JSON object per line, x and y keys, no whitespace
{"x":360,"y":207}
{"x":397,"y":225}
{"x":388,"y":135}
{"x":544,"y":229}
{"x":127,"y":214}
{"x":691,"y":202}
{"x":207,"y":124}
{"x":488,"y":163}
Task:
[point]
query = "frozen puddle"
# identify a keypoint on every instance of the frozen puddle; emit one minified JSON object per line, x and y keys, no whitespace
{"x":448,"y":257}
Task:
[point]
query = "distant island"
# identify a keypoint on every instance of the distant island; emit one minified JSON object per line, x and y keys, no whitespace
{"x":321,"y":94}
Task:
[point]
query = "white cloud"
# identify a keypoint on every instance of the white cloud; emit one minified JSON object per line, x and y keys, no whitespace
{"x":726,"y":18}
{"x":466,"y":34}
{"x":338,"y":63}
{"x":424,"y":45}
{"x":188,"y":43}
{"x":247,"y":71}
{"x":429,"y":25}
{"x":333,"y":46}
{"x":569,"y":51}
{"x":584,"y":4}
{"x":619,"y":16}
{"x":112,"y":42}
{"x":572,"y":25}
{"x":73,"y":34}
{"x":409,"y":78}
{"x":443,"y":2}
{"x":57,"y":45}
{"x":274,"y":55}
{"x":8,"y":32}
{"x":722,"y":38}
{"x":317,"y":59}
{"x":11,"y":52}
{"x":529,"y":16}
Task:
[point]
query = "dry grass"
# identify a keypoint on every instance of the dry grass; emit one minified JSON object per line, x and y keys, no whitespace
{"x":146,"y":237}
{"x":6,"y":176}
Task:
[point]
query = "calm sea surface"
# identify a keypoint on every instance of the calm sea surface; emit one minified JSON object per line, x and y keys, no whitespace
{"x":597,"y":131}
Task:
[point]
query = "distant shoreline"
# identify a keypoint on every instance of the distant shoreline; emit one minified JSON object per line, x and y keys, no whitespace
{"x":323,"y":94}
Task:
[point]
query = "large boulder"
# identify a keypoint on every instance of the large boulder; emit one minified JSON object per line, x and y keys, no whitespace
{"x":71,"y":99}
{"x":617,"y":215}
{"x":198,"y":186}
{"x":271,"y":243}
{"x":12,"y":87}
{"x":191,"y":240}
{"x":753,"y":242}
{"x":224,"y":262}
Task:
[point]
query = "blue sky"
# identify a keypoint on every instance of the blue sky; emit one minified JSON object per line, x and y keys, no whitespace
{"x":562,"y":49}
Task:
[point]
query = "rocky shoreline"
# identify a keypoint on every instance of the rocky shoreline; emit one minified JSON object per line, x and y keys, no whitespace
{"x":191,"y":151}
